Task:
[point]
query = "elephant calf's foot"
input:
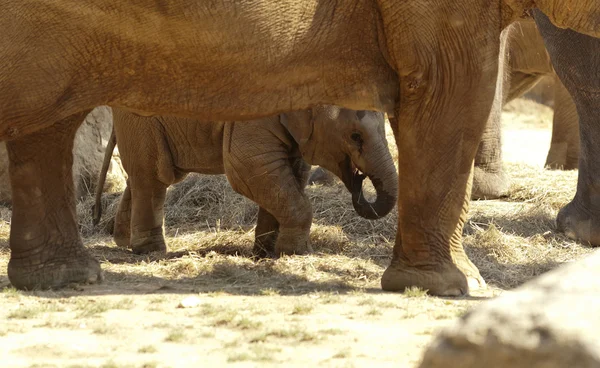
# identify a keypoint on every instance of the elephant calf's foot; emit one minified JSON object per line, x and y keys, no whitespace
{"x":264,"y":247}
{"x":291,"y":242}
{"x":579,"y":224}
{"x":123,"y":242}
{"x":152,"y":243}
{"x":488,"y":185}
{"x":444,"y":280}
{"x":66,"y":266}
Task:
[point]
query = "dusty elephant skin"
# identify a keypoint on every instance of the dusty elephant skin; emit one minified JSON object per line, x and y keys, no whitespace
{"x":266,"y":160}
{"x":576,"y":58}
{"x":245,"y":60}
{"x":538,"y":325}
{"x":88,"y":153}
{"x":524,"y":63}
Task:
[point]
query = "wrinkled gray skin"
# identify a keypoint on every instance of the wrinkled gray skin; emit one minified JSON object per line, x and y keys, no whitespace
{"x":526,"y":63}
{"x":266,"y":160}
{"x":576,"y":59}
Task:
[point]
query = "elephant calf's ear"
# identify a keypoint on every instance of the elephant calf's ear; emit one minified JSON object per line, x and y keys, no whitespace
{"x":299,"y":124}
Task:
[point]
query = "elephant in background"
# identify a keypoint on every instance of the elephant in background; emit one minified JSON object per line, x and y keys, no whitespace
{"x":526,"y":63}
{"x":264,"y":160}
{"x":576,"y":59}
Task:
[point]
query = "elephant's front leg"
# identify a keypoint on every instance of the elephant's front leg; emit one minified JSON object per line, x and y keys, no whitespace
{"x":46,"y":249}
{"x":147,"y":214}
{"x":447,"y":88}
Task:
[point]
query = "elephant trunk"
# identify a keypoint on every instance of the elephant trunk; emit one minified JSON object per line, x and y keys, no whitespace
{"x":384,"y":177}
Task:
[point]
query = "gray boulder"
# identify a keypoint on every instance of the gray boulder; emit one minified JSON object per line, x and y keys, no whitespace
{"x":550,"y":322}
{"x":88,"y":154}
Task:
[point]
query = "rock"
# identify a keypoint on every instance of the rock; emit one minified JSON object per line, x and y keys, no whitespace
{"x":88,"y":154}
{"x":550,"y":322}
{"x":189,"y":302}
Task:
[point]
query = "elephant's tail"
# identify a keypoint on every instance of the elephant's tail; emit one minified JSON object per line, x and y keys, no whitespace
{"x":110,"y":147}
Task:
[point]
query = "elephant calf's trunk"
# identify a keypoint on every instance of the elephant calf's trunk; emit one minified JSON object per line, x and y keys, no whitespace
{"x":386,"y":187}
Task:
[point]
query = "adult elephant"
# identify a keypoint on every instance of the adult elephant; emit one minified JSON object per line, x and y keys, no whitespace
{"x":526,"y":62}
{"x":432,"y":65}
{"x":576,"y":58}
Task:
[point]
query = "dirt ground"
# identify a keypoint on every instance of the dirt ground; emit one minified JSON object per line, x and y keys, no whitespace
{"x":206,"y":303}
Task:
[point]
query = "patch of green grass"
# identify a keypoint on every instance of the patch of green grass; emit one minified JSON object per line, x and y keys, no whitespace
{"x":344,"y":353}
{"x":269,"y":292}
{"x":11,"y":291}
{"x":90,"y":308}
{"x":126,"y":303}
{"x":387,"y":305}
{"x":331,"y":331}
{"x":366,"y":301}
{"x":34,"y":310}
{"x":224,"y":319}
{"x":161,"y":325}
{"x":210,"y":310}
{"x":147,"y":349}
{"x":176,"y":335}
{"x":257,"y":353}
{"x":302,"y":308}
{"x":247,"y":324}
{"x":207,"y":334}
{"x":426,"y":332}
{"x":415,"y":292}
{"x":331,"y":299}
{"x":373,"y":312}
{"x":103,"y":330}
{"x":296,"y":334}
{"x":158,"y":299}
{"x":239,"y":357}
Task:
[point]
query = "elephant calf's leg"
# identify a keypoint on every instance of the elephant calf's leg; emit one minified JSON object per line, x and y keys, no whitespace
{"x":147,"y":215}
{"x":122,"y":229}
{"x":46,"y":249}
{"x":267,"y":230}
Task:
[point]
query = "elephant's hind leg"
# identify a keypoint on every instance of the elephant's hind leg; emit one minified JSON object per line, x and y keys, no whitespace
{"x":122,"y":228}
{"x":147,"y":215}
{"x":564,"y":147}
{"x":267,"y":230}
{"x":46,"y":249}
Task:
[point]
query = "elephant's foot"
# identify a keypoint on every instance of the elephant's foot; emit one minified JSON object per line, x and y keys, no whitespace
{"x":444,"y":280}
{"x":122,"y":241}
{"x":321,"y":176}
{"x":579,"y":223}
{"x":489,"y":185}
{"x":293,"y":241}
{"x":560,"y":159}
{"x":64,"y":266}
{"x":264,"y":246}
{"x":154,"y":241}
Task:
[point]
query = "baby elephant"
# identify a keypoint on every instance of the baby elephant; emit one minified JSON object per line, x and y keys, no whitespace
{"x":266,"y":160}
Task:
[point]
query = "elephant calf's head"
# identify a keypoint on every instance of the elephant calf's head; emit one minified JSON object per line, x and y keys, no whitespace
{"x":352,"y":145}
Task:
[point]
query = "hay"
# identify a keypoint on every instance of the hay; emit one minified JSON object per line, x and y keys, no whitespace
{"x":209,"y":231}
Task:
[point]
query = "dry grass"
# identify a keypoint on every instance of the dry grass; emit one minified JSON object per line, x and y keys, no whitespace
{"x":325,"y":309}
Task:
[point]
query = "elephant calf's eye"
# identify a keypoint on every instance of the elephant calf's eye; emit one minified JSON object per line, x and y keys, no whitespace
{"x":356,"y":137}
